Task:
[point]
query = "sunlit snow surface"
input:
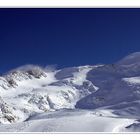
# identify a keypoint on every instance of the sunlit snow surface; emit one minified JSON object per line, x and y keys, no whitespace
{"x":70,"y":121}
{"x":100,"y":98}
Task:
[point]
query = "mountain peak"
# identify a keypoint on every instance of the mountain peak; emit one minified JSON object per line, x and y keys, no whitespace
{"x":132,"y":58}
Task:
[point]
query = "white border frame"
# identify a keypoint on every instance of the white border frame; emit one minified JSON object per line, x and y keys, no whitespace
{"x":70,"y":3}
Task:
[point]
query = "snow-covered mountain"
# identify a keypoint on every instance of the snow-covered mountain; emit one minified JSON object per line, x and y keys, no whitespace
{"x":31,"y":89}
{"x":59,"y":100}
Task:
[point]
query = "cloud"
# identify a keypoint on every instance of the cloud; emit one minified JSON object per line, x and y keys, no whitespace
{"x":51,"y":67}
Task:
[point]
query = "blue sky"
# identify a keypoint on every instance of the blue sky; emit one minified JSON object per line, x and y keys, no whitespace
{"x":67,"y":37}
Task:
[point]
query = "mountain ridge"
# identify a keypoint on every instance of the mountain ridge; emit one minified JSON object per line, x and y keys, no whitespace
{"x":30,"y":90}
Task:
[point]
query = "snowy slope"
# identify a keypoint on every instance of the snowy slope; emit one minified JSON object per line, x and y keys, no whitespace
{"x":70,"y":121}
{"x":118,"y":87}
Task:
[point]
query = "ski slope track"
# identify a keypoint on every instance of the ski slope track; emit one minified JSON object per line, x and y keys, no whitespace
{"x":98,"y":98}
